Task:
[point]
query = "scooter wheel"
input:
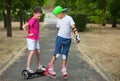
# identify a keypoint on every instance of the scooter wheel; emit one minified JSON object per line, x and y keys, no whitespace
{"x":25,"y":74}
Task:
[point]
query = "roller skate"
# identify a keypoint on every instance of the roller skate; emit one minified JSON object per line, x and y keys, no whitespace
{"x":50,"y":72}
{"x":64,"y":72}
{"x":27,"y":73}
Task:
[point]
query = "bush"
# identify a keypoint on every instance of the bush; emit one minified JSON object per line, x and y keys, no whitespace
{"x":80,"y":21}
{"x":42,"y":18}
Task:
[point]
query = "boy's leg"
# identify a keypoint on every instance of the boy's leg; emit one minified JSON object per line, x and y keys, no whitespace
{"x":50,"y":68}
{"x":52,"y":60}
{"x":65,"y":51}
{"x":57,"y":52}
{"x":58,"y":47}
{"x":64,"y":62}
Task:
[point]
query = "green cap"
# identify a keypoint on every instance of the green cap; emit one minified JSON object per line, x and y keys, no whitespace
{"x":57,"y":10}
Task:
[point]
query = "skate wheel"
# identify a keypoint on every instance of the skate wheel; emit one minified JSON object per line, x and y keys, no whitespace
{"x":66,"y":78}
{"x":45,"y":73}
{"x":50,"y":76}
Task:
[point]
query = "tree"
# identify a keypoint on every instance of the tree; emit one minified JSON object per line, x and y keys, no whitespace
{"x":9,"y":27}
{"x":7,"y":6}
{"x":3,"y":11}
{"x":26,"y":6}
{"x":100,"y":17}
{"x":115,"y":11}
{"x":110,"y":8}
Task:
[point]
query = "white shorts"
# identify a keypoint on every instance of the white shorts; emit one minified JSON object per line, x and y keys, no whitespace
{"x":33,"y":44}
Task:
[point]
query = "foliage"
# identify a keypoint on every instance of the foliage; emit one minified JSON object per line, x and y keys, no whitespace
{"x":1,"y":17}
{"x":80,"y":21}
{"x":100,"y":16}
{"x":114,"y":6}
{"x":48,"y":3}
{"x":99,"y":11}
{"x":42,"y":18}
{"x":17,"y":7}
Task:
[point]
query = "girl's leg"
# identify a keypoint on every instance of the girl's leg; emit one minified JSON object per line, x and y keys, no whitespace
{"x":38,"y":58}
{"x":37,"y":51}
{"x":40,"y":67}
{"x":32,"y":52}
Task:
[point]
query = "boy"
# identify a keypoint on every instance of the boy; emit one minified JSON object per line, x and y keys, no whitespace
{"x":33,"y":35}
{"x":63,"y":41}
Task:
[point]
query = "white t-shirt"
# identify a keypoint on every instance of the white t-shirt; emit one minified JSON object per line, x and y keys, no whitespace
{"x":64,"y":26}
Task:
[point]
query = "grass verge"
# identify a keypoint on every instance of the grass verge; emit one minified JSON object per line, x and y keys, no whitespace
{"x":104,"y":47}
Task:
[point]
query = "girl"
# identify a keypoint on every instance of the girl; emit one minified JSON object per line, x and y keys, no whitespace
{"x":33,"y":37}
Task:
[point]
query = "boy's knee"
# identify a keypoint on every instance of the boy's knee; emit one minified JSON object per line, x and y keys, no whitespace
{"x":64,"y":57}
{"x":56,"y":55}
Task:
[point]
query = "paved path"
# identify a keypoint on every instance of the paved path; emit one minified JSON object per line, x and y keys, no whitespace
{"x":78,"y":69}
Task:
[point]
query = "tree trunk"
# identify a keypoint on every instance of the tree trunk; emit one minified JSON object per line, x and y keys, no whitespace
{"x":5,"y":19}
{"x":21,"y":19}
{"x":103,"y":24}
{"x":114,"y":22}
{"x":24,"y":19}
{"x":9,"y":29}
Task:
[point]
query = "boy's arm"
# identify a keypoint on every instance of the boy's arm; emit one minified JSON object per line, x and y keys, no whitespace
{"x":57,"y":30}
{"x":75,"y":30}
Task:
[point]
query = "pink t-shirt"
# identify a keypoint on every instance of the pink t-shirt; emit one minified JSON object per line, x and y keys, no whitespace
{"x":33,"y":28}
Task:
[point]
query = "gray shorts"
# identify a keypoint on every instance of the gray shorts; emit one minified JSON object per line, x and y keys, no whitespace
{"x":33,"y":44}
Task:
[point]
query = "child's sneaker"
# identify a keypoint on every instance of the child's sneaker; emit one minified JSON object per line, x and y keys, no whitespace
{"x":64,"y":72}
{"x":50,"y":71}
{"x":29,"y":70}
{"x":41,"y":68}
